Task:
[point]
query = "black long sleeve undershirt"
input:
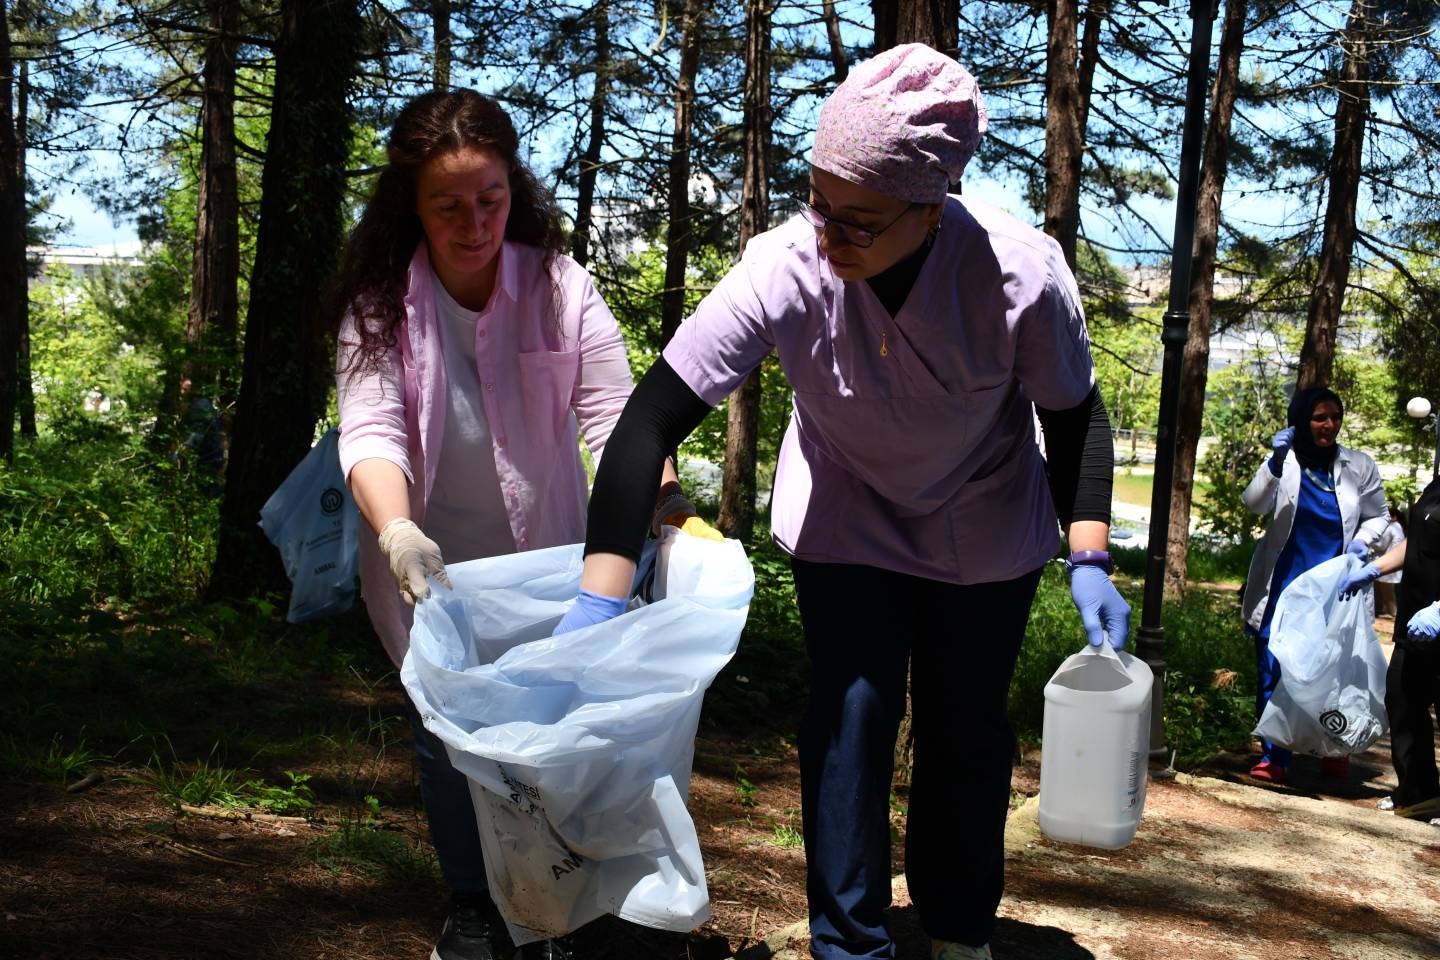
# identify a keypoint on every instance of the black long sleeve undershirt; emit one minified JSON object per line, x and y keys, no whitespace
{"x":1080,"y":459}
{"x":661,"y":412}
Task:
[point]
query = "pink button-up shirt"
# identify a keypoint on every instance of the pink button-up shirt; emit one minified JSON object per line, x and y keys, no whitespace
{"x":542,"y":379}
{"x":922,"y":460}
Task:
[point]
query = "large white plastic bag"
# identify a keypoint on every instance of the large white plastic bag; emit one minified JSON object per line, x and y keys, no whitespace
{"x":578,"y":748}
{"x":314,"y":522}
{"x":1330,"y":701}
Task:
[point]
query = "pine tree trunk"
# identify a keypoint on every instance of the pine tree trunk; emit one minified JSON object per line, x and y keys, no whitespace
{"x":14,"y":296}
{"x":837,"y":46}
{"x":211,"y":328}
{"x":1317,"y":354}
{"x":737,"y":490}
{"x":1195,"y":369}
{"x":1095,"y":15}
{"x":1064,"y":137}
{"x":934,"y":22}
{"x":590,"y":160}
{"x":440,"y":33}
{"x":288,"y":362}
{"x":677,"y":233}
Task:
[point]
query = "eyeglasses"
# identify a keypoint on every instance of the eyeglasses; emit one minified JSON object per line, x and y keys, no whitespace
{"x":852,"y":234}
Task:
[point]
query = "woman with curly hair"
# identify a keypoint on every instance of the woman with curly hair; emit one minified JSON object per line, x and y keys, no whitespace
{"x":471,"y":349}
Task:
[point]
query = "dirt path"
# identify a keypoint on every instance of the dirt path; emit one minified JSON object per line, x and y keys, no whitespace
{"x":1220,"y":868}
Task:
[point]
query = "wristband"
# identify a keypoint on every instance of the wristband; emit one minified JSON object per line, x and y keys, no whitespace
{"x":1090,"y":558}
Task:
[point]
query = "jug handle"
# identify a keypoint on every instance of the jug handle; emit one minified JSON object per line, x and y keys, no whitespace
{"x":1107,"y":652}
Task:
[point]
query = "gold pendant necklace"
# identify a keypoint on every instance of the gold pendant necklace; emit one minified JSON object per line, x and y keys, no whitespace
{"x":884,"y":350}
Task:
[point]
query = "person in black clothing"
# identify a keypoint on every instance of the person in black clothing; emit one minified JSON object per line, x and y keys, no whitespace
{"x":1412,"y":684}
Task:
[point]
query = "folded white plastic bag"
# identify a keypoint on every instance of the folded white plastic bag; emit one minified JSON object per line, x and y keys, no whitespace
{"x":1330,"y":701}
{"x":314,"y":522}
{"x":578,"y":748}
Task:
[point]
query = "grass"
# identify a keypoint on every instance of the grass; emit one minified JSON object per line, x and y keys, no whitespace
{"x":787,"y":836}
{"x":362,"y":844}
{"x":1134,"y":486}
{"x":46,"y":760}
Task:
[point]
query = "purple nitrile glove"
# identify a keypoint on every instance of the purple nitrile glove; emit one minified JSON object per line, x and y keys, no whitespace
{"x":1102,"y":610}
{"x":590,"y":609}
{"x":1358,"y":548}
{"x":1281,"y":444}
{"x":1425,"y":625}
{"x":1357,"y":579}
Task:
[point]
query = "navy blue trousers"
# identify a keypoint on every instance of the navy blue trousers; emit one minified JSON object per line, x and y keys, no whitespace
{"x":865,"y":629}
{"x":1267,"y":678}
{"x":445,"y":792}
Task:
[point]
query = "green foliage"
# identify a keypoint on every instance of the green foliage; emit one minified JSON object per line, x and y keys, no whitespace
{"x":50,"y":761}
{"x":766,"y":680}
{"x":745,"y":791}
{"x":106,"y":520}
{"x":203,"y":783}
{"x":1402,"y":491}
{"x":1374,"y":421}
{"x":1247,"y":407}
{"x":787,"y":835}
{"x":86,"y":367}
{"x":1127,"y":354}
{"x":362,"y":844}
{"x":209,"y":783}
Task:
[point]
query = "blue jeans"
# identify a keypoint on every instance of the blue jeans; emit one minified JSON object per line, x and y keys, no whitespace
{"x":866,"y":629}
{"x":445,"y":792}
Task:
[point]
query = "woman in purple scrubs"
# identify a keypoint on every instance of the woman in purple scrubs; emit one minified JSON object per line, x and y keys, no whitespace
{"x":921,"y":332}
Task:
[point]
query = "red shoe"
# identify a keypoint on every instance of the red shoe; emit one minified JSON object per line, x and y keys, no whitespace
{"x":1269,"y":771}
{"x":1335,"y":768}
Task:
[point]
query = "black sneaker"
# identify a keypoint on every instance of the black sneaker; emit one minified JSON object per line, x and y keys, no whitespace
{"x":560,"y":948}
{"x":473,"y":931}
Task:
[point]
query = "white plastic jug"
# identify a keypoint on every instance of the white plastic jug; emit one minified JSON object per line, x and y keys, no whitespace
{"x":1095,"y":743}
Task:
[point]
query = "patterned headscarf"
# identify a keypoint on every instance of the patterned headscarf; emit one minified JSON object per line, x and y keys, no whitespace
{"x":904,"y":123}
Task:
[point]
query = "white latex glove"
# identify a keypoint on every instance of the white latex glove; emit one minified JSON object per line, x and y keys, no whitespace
{"x":412,"y":555}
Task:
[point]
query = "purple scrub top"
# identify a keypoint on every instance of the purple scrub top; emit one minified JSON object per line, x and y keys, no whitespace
{"x":922,"y":461}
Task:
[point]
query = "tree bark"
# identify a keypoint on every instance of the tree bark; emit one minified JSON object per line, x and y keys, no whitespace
{"x":1317,"y":354}
{"x":210,"y":330}
{"x":288,"y":364}
{"x":440,"y":31}
{"x":933,"y":22}
{"x":14,"y":296}
{"x":1195,"y":368}
{"x":677,"y":235}
{"x":837,"y":46}
{"x":24,"y":382}
{"x":590,"y":160}
{"x":1064,"y":136}
{"x":737,"y":491}
{"x":1096,"y":13}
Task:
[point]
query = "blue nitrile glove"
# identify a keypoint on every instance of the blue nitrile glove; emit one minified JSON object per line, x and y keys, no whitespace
{"x":1102,"y":610}
{"x":1357,"y":579}
{"x":1425,"y":625}
{"x":590,"y":609}
{"x":1358,"y":548}
{"x":1281,"y":444}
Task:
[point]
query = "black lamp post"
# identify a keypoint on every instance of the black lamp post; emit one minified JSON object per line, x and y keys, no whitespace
{"x":1150,"y":638}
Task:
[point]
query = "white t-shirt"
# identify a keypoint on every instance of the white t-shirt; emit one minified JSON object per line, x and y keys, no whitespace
{"x":466,"y":513}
